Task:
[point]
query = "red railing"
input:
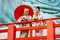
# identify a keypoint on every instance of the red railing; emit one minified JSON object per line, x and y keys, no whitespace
{"x":50,"y":30}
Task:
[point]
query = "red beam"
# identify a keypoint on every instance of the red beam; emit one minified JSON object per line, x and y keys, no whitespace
{"x":57,"y":36}
{"x":29,"y":21}
{"x":31,"y":28}
{"x":57,"y":25}
{"x":38,"y":37}
{"x":3,"y":30}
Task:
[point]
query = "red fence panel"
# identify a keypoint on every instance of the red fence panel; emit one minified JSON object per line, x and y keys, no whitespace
{"x":50,"y":30}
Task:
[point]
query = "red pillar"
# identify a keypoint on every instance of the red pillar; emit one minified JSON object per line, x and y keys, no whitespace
{"x":30,"y":33}
{"x":11,"y":32}
{"x":50,"y":30}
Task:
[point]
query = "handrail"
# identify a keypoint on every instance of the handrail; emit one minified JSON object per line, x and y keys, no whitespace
{"x":29,"y":21}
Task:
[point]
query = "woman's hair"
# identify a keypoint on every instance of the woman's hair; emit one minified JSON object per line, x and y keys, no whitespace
{"x":38,"y":7}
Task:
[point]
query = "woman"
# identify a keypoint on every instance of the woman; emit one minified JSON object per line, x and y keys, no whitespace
{"x":25,"y":17}
{"x":37,"y":16}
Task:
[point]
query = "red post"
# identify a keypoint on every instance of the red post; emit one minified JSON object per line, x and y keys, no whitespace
{"x":11,"y":32}
{"x":30,"y":33}
{"x":50,"y":30}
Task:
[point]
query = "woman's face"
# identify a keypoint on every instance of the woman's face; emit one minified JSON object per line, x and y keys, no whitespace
{"x":37,"y":11}
{"x":26,"y":11}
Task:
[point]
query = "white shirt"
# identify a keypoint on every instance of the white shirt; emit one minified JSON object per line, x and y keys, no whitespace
{"x":28,"y":17}
{"x":22,"y":17}
{"x":38,"y":18}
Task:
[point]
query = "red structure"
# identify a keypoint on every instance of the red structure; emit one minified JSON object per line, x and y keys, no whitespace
{"x":50,"y":30}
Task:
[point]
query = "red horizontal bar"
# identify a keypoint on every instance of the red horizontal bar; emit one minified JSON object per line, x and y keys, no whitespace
{"x":29,"y":21}
{"x":57,"y":36}
{"x":27,"y":28}
{"x":31,"y":28}
{"x":4,"y":30}
{"x":57,"y":25}
{"x":37,"y":37}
